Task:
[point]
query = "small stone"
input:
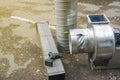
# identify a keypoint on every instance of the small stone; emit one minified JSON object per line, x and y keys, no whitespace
{"x":110,"y":73}
{"x":118,"y":19}
{"x":40,"y":57}
{"x":37,"y":70}
{"x":21,"y":54}
{"x":3,"y":64}
{"x":77,"y":60}
{"x":30,"y":39}
{"x":113,"y":78}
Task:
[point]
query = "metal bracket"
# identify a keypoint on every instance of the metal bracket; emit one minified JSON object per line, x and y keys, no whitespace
{"x":52,"y":57}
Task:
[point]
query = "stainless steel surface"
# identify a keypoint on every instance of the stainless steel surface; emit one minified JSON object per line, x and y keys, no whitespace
{"x":104,"y":42}
{"x":81,"y":40}
{"x":98,"y":40}
{"x":65,"y":19}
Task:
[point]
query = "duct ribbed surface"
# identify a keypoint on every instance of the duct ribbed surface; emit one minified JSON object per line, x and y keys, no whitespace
{"x":65,"y":19}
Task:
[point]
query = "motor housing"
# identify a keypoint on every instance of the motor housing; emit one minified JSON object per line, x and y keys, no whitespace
{"x":99,"y":40}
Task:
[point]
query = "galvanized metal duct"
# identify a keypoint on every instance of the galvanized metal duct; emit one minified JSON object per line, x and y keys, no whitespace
{"x":65,"y":19}
{"x":81,"y":41}
{"x":97,"y":40}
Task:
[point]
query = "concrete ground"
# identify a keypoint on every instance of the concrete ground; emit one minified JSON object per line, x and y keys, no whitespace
{"x":20,"y":50}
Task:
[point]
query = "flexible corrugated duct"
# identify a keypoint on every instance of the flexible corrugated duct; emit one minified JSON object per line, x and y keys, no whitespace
{"x":65,"y":19}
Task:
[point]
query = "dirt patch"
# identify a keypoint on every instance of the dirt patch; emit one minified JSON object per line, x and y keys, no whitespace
{"x":98,"y":2}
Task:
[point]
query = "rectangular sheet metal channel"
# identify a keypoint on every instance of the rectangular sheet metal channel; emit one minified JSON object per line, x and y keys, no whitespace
{"x":56,"y":72}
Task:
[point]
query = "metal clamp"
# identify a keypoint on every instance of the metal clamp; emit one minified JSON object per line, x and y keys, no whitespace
{"x":52,"y":57}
